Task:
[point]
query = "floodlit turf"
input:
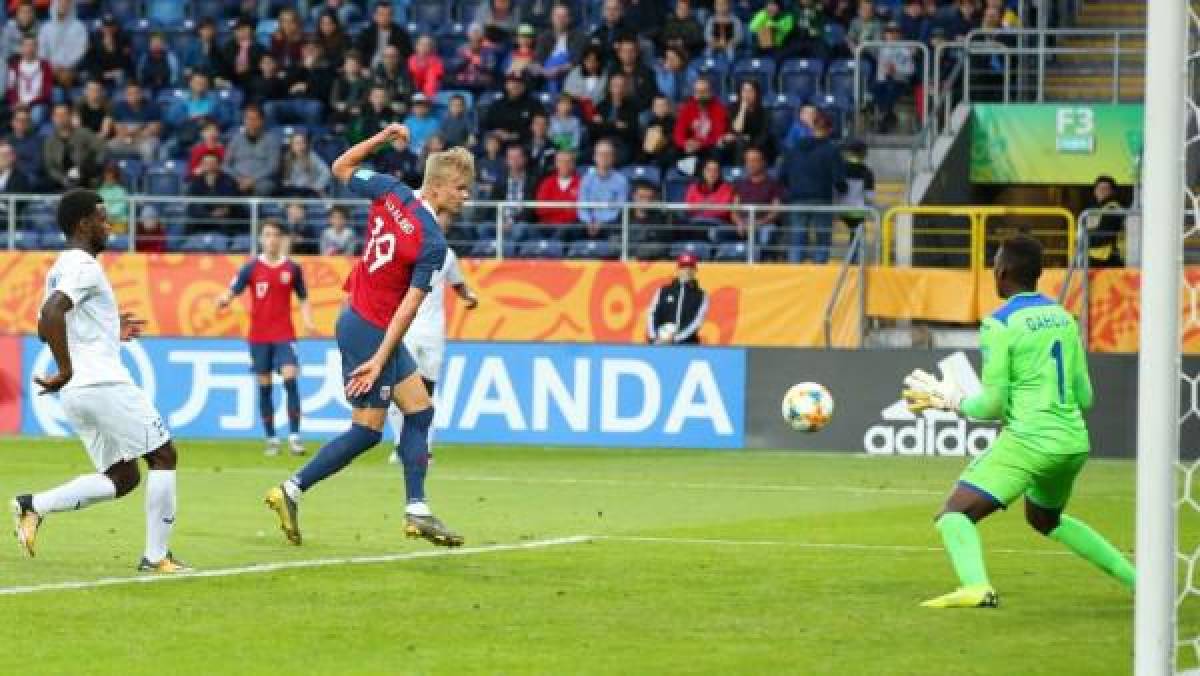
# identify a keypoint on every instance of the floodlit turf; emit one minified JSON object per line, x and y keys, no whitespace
{"x":759,"y":563}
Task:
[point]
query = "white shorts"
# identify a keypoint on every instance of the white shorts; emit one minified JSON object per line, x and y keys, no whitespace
{"x":116,"y":422}
{"x":428,"y":351}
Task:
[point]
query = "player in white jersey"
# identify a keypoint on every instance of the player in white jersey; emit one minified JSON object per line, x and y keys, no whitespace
{"x":426,"y":338}
{"x":116,"y":421}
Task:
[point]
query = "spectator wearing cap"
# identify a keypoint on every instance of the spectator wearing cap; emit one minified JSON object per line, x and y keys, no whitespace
{"x":813,"y":172}
{"x":640,"y":79}
{"x":603,"y":184}
{"x":894,"y":74}
{"x":382,"y":32}
{"x":108,"y":57}
{"x":679,"y":308}
{"x":252,"y":157}
{"x":421,"y":122}
{"x":682,"y":31}
{"x":425,"y":67}
{"x":150,"y":235}
{"x":203,"y":53}
{"x":557,"y":49}
{"x":702,"y":121}
{"x":242,"y":54}
{"x":474,"y":63}
{"x":560,"y":186}
{"x":63,"y":40}
{"x":211,"y":181}
{"x":510,"y":116}
{"x":522,"y":60}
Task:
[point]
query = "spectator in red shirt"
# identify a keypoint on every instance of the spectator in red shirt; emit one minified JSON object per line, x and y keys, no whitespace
{"x":560,"y":186}
{"x":426,"y":67}
{"x":702,"y":121}
{"x":712,"y":196}
{"x":287,"y":43}
{"x":756,"y":188}
{"x":210,"y":143}
{"x":151,"y":236}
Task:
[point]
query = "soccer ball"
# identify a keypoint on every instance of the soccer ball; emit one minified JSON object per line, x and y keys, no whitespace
{"x":807,"y":407}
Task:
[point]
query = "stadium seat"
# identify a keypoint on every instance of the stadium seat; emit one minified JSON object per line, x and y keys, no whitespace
{"x":715,"y":69}
{"x":125,"y":11}
{"x":430,"y":14}
{"x":167,"y":13}
{"x":131,"y":173}
{"x":465,"y":10}
{"x":27,"y":240}
{"x":701,"y":250}
{"x":783,"y":109}
{"x":165,"y":178}
{"x":263,"y":31}
{"x":541,"y":248}
{"x":675,"y":186}
{"x":733,"y":174}
{"x":53,"y":241}
{"x":486,"y":248}
{"x":758,"y":70}
{"x":208,"y":9}
{"x":118,"y":242}
{"x":329,"y":147}
{"x":602,"y":250}
{"x":801,"y":77}
{"x":841,"y":80}
{"x":648,"y":174}
{"x":731,"y":252}
{"x":241,"y":244}
{"x":40,"y":216}
{"x":205,"y":243}
{"x":443,"y":97}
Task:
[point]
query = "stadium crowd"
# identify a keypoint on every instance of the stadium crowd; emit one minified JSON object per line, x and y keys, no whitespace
{"x":713,"y":103}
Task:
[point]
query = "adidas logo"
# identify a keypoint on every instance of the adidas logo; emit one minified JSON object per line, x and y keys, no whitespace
{"x":933,"y":432}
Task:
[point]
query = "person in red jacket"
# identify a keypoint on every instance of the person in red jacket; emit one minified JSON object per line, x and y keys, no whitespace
{"x":426,"y":67}
{"x":712,"y":198}
{"x":702,"y":121}
{"x":560,"y":186}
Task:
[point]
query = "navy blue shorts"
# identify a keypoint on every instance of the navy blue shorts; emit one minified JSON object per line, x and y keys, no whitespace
{"x":271,"y":357}
{"x":357,"y":340}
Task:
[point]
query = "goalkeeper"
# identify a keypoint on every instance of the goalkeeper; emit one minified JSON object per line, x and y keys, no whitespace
{"x":1035,"y":380}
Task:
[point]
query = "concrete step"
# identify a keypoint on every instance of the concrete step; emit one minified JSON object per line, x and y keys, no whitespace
{"x":889,"y":194}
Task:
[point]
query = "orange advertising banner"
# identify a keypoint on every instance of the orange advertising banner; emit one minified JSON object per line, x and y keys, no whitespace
{"x":587,"y":301}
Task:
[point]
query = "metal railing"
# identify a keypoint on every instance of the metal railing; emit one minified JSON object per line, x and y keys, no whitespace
{"x":923,"y":66}
{"x":856,"y":254}
{"x":975,"y":234}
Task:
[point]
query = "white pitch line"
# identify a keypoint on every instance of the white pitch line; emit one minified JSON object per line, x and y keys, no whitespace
{"x":921,"y":549}
{"x":288,"y":565}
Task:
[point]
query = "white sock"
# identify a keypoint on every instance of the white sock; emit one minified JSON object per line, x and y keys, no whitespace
{"x":418,"y":509}
{"x":83,"y":490}
{"x":292,"y":489}
{"x":396,"y":418}
{"x":160,"y":512}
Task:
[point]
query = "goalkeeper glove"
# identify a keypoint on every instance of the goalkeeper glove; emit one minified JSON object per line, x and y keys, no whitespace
{"x":924,"y":391}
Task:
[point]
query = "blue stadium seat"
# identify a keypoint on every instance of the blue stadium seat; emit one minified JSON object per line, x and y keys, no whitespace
{"x":541,"y":248}
{"x":263,"y":31}
{"x":486,"y":248}
{"x":168,"y":98}
{"x":733,"y":174}
{"x":167,"y":13}
{"x":443,"y":97}
{"x":40,"y":215}
{"x":53,"y":241}
{"x":27,"y":240}
{"x":758,"y":70}
{"x":675,"y":186}
{"x":602,"y":250}
{"x":118,"y":242}
{"x":464,"y":10}
{"x":782,"y":110}
{"x":165,"y":178}
{"x":701,"y":250}
{"x":429,"y":13}
{"x":801,"y":77}
{"x":208,"y":8}
{"x":715,"y":69}
{"x":125,"y":11}
{"x":131,"y":173}
{"x":648,"y":174}
{"x":731,"y":252}
{"x":240,"y":244}
{"x":329,"y":147}
{"x":841,"y":79}
{"x":205,"y":243}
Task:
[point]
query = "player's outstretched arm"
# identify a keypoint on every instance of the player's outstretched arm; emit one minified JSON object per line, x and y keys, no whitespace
{"x":52,"y":328}
{"x":346,"y":164}
{"x":363,"y":377}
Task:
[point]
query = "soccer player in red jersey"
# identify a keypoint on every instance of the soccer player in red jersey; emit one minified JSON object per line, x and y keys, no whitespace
{"x":405,"y":247}
{"x":272,"y":279}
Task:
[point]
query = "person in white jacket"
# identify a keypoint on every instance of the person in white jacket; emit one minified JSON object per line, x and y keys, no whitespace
{"x":63,"y":40}
{"x":895,"y":70}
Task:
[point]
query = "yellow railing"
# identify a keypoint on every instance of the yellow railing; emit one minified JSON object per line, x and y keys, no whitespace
{"x":978,"y":217}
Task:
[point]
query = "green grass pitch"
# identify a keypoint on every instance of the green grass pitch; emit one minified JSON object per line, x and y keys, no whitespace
{"x":696,"y":562}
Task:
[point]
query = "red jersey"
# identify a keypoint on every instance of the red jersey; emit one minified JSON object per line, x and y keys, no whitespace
{"x":271,"y":289}
{"x":405,"y":246}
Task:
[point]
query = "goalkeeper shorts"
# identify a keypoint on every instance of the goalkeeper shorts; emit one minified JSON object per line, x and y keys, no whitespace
{"x":1011,"y":469}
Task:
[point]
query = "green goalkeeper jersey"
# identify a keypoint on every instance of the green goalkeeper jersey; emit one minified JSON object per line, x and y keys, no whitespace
{"x":1035,"y":376}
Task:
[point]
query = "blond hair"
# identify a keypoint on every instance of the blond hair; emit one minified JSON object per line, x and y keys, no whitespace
{"x":448,"y":165}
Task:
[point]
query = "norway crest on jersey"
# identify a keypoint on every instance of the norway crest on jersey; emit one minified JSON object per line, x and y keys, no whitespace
{"x":260,"y":289}
{"x":285,"y":277}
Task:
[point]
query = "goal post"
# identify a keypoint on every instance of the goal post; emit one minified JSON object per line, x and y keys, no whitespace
{"x":1169,"y":26}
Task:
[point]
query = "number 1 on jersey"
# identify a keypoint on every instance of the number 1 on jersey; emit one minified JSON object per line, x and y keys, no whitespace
{"x":382,"y":247}
{"x":1056,"y":351}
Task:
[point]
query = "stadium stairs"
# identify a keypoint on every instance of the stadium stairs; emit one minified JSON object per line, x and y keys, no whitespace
{"x":1088,"y":77}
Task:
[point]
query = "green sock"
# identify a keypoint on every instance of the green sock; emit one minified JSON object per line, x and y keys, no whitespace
{"x":966,"y":551}
{"x":1081,"y":539}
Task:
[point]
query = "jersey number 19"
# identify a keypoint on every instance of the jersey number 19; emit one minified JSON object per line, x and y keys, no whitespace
{"x":381,"y":247}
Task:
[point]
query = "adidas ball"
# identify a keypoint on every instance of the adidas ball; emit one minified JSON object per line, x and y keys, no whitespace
{"x":807,"y":407}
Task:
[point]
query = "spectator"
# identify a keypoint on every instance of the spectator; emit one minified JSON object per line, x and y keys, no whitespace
{"x":813,"y":172}
{"x":559,"y":48}
{"x":349,"y":90}
{"x":650,"y":231}
{"x":612,"y":28}
{"x":671,"y":75}
{"x":252,"y":158}
{"x":489,"y":166}
{"x":116,"y":198}
{"x":865,"y":27}
{"x":304,"y":173}
{"x":374,"y":116}
{"x":510,"y":116}
{"x":108,"y":56}
{"x":640,"y":81}
{"x":616,"y":120}
{"x":334,"y":42}
{"x":657,"y":149}
{"x":541,"y":149}
{"x":338,"y":239}
{"x":801,"y":127}
{"x":702,"y":121}
{"x":312,"y":78}
{"x":475,"y":66}
{"x":860,"y":184}
{"x":24,"y":24}
{"x":392,"y":72}
{"x":807,"y":39}
{"x":914,"y":24}
{"x":566,"y":131}
{"x":425,"y":67}
{"x":456,"y":128}
{"x":1106,"y":232}
{"x":242,"y":54}
{"x":962,"y":20}
{"x":421,"y":122}
{"x":561,"y":186}
{"x":662,"y":114}
{"x":749,"y":125}
{"x":150,"y":236}
{"x":647,"y":17}
{"x":197,"y":108}
{"x":30,"y":81}
{"x":287,"y":43}
{"x":345,"y":12}
{"x":434,"y":144}
{"x":94,"y":111}
{"x":988,"y":60}
{"x":158,"y":68}
{"x":772,"y":28}
{"x":269,"y":85}
{"x":679,"y":308}
{"x":1008,"y":17}
{"x":209,"y":217}
{"x":756,"y":188}
{"x":723,"y":33}
{"x":137,"y":124}
{"x":303,"y":239}
{"x":383,"y":32}
{"x":499,"y":20}
{"x":63,"y":40}
{"x":27,"y":145}
{"x":400,"y":161}
{"x":682,"y":31}
{"x":603,"y":184}
{"x":711,"y":196}
{"x":204,"y":53}
{"x":897,"y":65}
{"x":587,"y":82}
{"x":210,"y":144}
{"x":72,"y":156}
{"x":516,"y":187}
{"x":13,"y":181}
